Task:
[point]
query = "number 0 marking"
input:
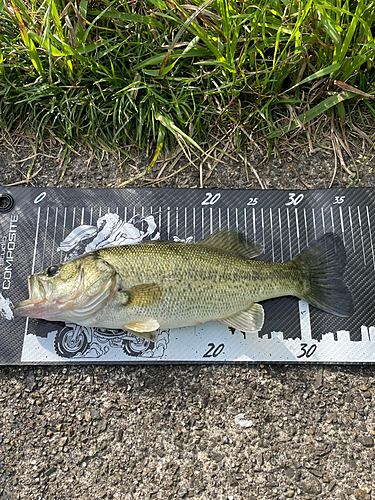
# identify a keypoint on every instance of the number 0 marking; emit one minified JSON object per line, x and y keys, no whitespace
{"x":40,"y":197}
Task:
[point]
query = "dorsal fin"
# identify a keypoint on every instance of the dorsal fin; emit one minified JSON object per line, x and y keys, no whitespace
{"x":232,"y":242}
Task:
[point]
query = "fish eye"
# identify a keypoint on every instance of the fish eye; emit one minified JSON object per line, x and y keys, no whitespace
{"x":52,"y":271}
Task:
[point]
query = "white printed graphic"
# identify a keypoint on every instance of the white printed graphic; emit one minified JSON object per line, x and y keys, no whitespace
{"x":109,"y":231}
{"x":6,"y":307}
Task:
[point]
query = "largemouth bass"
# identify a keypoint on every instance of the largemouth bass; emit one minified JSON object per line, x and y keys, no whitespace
{"x":156,"y":284}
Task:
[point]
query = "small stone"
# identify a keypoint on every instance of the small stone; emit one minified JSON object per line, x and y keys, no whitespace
{"x":332,"y":418}
{"x":50,"y":471}
{"x":95,"y":415}
{"x":242,"y":421}
{"x":363,"y":388}
{"x":63,"y":441}
{"x":366,"y":441}
{"x":102,"y":425}
{"x":311,"y":485}
{"x":332,"y":484}
{"x":59,"y":427}
{"x":119,"y":434}
{"x":361,"y":494}
{"x":289,"y":493}
{"x":88,"y":416}
{"x":352,"y":414}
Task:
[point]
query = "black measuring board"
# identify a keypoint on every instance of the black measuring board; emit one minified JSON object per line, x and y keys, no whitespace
{"x":42,"y":226}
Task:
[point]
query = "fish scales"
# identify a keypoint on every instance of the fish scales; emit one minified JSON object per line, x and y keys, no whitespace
{"x":198,"y":284}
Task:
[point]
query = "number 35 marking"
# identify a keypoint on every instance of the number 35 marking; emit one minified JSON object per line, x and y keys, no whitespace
{"x":339,"y":200}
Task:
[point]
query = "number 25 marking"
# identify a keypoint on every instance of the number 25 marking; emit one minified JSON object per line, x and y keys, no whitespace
{"x":252,"y":201}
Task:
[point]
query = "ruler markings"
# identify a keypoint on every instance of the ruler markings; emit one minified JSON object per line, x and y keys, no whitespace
{"x":186,"y":223}
{"x":236,"y":212}
{"x":314,"y":223}
{"x":370,"y":233}
{"x":202,"y":223}
{"x":194,"y":233}
{"x":82,"y":216}
{"x":228,"y":218}
{"x":74,"y":217}
{"x":177,"y":232}
{"x":219,"y":217}
{"x":351,"y":227}
{"x":306,"y":230}
{"x":281,"y":236}
{"x":271,"y":229}
{"x":54,"y":234}
{"x":245,"y":221}
{"x":323,"y":220}
{"x":332,"y":220}
{"x":211,"y":221}
{"x":91,"y":209}
{"x":254,"y":226}
{"x":45,"y":237}
{"x":297,"y":229}
{"x":342,"y":225}
{"x":361,"y":234}
{"x":289,"y":234}
{"x":263,"y":234}
{"x":168,"y":222}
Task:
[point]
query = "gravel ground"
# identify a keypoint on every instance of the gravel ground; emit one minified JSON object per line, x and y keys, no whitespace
{"x":201,"y":432}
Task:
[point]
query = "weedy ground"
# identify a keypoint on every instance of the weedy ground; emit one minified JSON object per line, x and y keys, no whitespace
{"x":149,"y":78}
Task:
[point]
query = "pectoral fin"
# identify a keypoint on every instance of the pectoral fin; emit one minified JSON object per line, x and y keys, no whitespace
{"x":143,"y":295}
{"x":249,"y":321}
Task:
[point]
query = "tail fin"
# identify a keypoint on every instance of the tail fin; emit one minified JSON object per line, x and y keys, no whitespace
{"x":323,"y":265}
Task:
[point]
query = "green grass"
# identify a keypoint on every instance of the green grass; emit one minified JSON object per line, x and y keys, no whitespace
{"x":161,"y":73}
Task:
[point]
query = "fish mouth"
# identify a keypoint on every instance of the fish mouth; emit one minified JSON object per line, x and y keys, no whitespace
{"x":34,"y":305}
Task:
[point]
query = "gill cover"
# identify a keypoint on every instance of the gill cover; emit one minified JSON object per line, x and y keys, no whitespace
{"x":76,"y":290}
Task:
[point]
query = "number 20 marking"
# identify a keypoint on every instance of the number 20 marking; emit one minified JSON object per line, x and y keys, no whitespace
{"x":213,"y":351}
{"x":211,"y":199}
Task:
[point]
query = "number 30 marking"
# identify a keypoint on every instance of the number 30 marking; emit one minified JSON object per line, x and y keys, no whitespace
{"x":294,"y":200}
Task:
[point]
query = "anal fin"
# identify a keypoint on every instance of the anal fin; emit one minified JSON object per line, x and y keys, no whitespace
{"x":251,"y":320}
